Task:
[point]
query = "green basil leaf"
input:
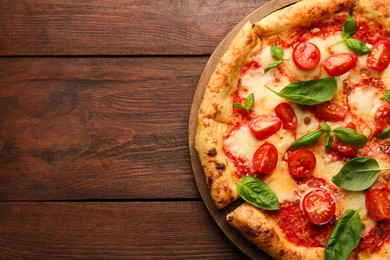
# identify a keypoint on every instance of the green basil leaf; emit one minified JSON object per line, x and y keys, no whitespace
{"x":310,"y":92}
{"x":349,"y":27}
{"x":250,"y":101}
{"x":272,"y":65}
{"x":350,"y":136}
{"x":384,"y":134}
{"x":345,"y":236}
{"x":387,"y":96}
{"x":357,"y":46}
{"x":307,"y":139}
{"x":357,"y":174}
{"x":257,"y":193}
{"x":277,"y":52}
{"x":329,"y":141}
{"x":326,"y":127}
{"x":248,"y":105}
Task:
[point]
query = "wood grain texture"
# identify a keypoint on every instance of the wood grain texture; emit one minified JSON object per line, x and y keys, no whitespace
{"x":96,"y":128}
{"x":117,"y":27}
{"x":119,"y":230}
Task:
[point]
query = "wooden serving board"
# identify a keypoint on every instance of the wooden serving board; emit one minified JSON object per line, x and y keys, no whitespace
{"x":220,"y":215}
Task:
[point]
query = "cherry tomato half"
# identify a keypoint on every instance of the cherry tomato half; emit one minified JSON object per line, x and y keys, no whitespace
{"x":346,"y":149}
{"x":264,"y":126}
{"x":318,"y":207}
{"x":301,"y":163}
{"x":265,"y":158}
{"x":286,"y":113}
{"x":379,"y":57}
{"x":306,"y":55}
{"x":339,"y":63}
{"x":378,"y":204}
{"x":382,"y":117}
{"x":330,"y":111}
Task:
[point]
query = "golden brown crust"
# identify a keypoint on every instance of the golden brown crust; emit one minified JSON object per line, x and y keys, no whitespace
{"x":377,"y":11}
{"x":263,"y":231}
{"x":215,"y":116}
{"x":300,"y":14}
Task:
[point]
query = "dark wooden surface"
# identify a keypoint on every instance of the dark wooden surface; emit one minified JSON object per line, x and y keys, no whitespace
{"x":95,"y":98}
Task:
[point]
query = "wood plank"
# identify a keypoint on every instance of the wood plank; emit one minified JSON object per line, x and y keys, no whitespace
{"x":95,"y":128}
{"x":119,"y":230}
{"x":117,"y":27}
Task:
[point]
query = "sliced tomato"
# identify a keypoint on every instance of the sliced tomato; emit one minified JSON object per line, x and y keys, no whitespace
{"x":318,"y":206}
{"x":339,"y":63}
{"x":286,"y":113}
{"x":379,"y":57}
{"x":301,"y":163}
{"x":264,"y":126}
{"x":345,"y":149}
{"x":306,"y":55}
{"x":265,"y":158}
{"x":378,"y":204}
{"x":382,"y":117}
{"x":330,"y":111}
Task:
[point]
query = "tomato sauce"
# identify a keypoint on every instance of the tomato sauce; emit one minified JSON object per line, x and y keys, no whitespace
{"x":375,"y":238}
{"x":242,"y":168}
{"x":369,"y":33}
{"x":298,"y":229}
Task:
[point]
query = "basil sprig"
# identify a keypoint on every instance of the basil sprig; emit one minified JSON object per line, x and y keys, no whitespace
{"x":345,"y":236}
{"x":347,"y":31}
{"x":357,"y":174}
{"x":278,"y":54}
{"x":384,"y":134}
{"x":257,"y":193}
{"x":345,"y":135}
{"x":350,"y":136}
{"x":248,"y":104}
{"x":309,"y":92}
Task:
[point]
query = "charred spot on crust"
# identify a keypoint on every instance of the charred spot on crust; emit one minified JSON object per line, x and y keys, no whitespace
{"x":250,"y":231}
{"x":220,"y":166}
{"x":212,"y":152}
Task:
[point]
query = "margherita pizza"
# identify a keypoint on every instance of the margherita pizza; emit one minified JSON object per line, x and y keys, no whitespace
{"x":295,"y":121}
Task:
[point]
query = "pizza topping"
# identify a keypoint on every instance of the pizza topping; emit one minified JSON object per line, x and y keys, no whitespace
{"x":278,"y":54}
{"x":330,"y":111}
{"x":345,"y":236}
{"x":265,"y":158}
{"x":298,"y":229}
{"x":357,"y":174}
{"x":387,"y":96}
{"x":347,"y":136}
{"x":286,"y":113}
{"x":318,"y":206}
{"x":375,"y":238}
{"x":306,"y":55}
{"x":379,"y":58}
{"x":264,"y":126}
{"x":340,"y":63}
{"x":309,"y":92}
{"x":349,"y":29}
{"x":253,"y":65}
{"x":382,"y":117}
{"x":248,"y":104}
{"x":378,"y":204}
{"x":257,"y":193}
{"x":301,"y":163}
{"x":384,"y":134}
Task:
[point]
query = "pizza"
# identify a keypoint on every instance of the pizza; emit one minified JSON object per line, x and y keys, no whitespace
{"x":295,"y":124}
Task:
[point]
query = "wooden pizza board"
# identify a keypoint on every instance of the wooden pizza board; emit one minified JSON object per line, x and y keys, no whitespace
{"x":220,"y":215}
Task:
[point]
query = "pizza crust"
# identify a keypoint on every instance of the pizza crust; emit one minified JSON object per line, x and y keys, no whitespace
{"x":302,"y":13}
{"x":263,"y":232}
{"x":215,"y":117}
{"x":377,"y":11}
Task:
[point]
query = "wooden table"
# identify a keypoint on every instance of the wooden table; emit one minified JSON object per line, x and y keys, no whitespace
{"x":95,"y":98}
